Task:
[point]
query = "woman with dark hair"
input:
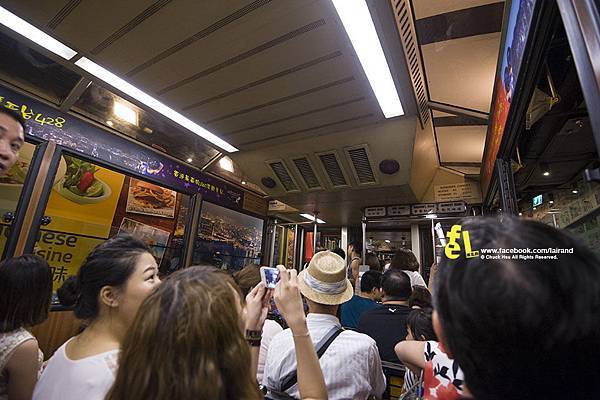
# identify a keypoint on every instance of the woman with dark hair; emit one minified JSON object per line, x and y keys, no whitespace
{"x":405,"y":260}
{"x":420,"y":297}
{"x":25,"y":294}
{"x":198,"y":317}
{"x":111,"y":284}
{"x":420,"y":330}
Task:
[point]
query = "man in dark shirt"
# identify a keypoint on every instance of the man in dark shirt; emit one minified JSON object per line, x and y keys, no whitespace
{"x":386,"y":323}
{"x":370,"y":293}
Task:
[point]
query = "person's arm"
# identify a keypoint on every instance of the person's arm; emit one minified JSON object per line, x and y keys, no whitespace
{"x":257,"y":308}
{"x":432,"y":273}
{"x":411,"y":353}
{"x":22,"y":367}
{"x":355,"y":267}
{"x":311,"y":383}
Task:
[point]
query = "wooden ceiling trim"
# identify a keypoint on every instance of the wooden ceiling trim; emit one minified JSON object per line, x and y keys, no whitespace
{"x":283,"y":99}
{"x":200,"y":35}
{"x":269,"y":78}
{"x":245,"y":55}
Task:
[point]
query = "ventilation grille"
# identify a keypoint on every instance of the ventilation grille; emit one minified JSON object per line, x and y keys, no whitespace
{"x":405,"y":24}
{"x":361,"y":165}
{"x":284,"y":176}
{"x":307,"y":173}
{"x":332,"y":168}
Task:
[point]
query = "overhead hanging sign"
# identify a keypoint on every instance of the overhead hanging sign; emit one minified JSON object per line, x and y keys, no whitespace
{"x":517,"y":33}
{"x":66,"y":130}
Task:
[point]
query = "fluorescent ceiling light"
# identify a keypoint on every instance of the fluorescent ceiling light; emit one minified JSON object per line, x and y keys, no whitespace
{"x":226,"y":164}
{"x":431,"y":216}
{"x":387,"y":241}
{"x":357,"y":21}
{"x":37,"y":36}
{"x":125,"y":112}
{"x":312,"y":218}
{"x":149,"y":101}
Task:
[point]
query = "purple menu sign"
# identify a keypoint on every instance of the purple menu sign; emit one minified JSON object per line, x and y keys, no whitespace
{"x":66,"y":130}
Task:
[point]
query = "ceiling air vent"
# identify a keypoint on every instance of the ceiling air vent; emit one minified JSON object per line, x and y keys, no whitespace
{"x":358,"y":157}
{"x":307,"y":172}
{"x":333,"y":169}
{"x":284,"y":176}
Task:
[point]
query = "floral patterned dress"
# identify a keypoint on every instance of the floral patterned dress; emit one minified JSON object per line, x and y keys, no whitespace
{"x":443,"y":378}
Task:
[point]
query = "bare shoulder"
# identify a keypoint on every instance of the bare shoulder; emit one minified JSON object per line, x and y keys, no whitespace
{"x":23,"y":354}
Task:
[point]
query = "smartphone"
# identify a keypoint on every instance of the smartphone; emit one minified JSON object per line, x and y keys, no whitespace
{"x":269,"y":276}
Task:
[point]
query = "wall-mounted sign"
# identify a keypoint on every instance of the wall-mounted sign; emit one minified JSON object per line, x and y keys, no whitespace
{"x":538,"y":200}
{"x":276,"y":205}
{"x":422,"y":209}
{"x":452,"y":207}
{"x":375,"y":212}
{"x":398,"y":211}
{"x":66,"y":130}
{"x":466,"y":191}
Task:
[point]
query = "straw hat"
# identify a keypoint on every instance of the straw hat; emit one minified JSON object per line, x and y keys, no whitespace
{"x":324,"y":281}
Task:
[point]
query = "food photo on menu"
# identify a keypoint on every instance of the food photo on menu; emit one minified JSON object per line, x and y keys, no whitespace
{"x":150,"y":199}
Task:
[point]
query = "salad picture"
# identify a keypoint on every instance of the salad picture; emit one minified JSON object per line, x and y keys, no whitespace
{"x":80,"y":179}
{"x":80,"y":185}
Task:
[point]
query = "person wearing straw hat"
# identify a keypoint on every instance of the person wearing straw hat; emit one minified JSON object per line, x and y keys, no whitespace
{"x":350,"y":360}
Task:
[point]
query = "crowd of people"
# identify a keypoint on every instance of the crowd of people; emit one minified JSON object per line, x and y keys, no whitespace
{"x":491,"y":329}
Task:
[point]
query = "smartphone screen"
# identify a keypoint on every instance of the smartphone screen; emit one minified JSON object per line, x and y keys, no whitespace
{"x":269,"y":276}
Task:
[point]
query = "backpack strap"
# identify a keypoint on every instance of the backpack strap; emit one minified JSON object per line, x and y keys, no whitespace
{"x":292,"y":379}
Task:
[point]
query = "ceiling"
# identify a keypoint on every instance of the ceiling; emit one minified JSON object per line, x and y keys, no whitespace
{"x":279,"y":80}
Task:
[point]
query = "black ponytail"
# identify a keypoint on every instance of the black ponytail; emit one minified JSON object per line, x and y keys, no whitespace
{"x":109,"y":264}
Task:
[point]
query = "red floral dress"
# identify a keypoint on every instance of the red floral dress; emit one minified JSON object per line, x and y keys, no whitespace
{"x":443,"y":378}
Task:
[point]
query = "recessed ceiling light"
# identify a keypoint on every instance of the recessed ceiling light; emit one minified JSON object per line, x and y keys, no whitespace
{"x":520,"y":214}
{"x":125,"y":112}
{"x":149,"y":101}
{"x":34,"y":34}
{"x":147,"y":130}
{"x":387,"y":241}
{"x":546,"y":173}
{"x":359,"y":25}
{"x":226,"y":164}
{"x":110,"y":123}
{"x":243,"y":182}
{"x":574,"y":191}
{"x":311,"y":217}
{"x":189,"y":159}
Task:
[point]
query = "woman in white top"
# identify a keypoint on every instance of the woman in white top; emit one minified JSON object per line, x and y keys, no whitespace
{"x":25,"y":293}
{"x":112,"y":283}
{"x":405,"y":261}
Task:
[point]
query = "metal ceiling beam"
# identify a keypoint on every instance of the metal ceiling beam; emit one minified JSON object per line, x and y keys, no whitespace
{"x":457,"y":110}
{"x":75,"y":94}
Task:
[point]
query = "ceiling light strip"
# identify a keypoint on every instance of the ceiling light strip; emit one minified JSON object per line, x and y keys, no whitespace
{"x":311,"y":217}
{"x":34,"y":34}
{"x":149,"y":101}
{"x":359,"y":26}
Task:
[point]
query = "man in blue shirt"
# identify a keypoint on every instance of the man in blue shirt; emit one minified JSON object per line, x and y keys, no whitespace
{"x":370,"y":293}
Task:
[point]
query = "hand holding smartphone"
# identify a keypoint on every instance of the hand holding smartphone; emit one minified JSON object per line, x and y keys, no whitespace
{"x":269,"y":276}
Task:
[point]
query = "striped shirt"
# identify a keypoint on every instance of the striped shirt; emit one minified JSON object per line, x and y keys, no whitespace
{"x":351,"y":365}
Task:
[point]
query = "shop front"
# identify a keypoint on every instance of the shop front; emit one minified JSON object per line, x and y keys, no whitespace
{"x":76,"y":185}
